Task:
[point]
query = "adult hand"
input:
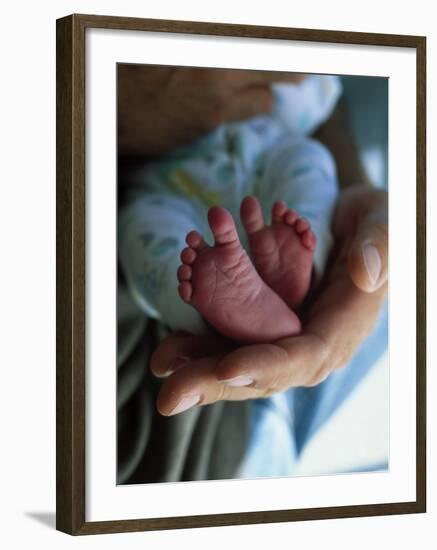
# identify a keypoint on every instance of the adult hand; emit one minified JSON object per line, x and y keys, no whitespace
{"x":204,"y":369}
{"x":162,"y":107}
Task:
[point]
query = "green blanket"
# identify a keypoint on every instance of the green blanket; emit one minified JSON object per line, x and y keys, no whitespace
{"x":202,"y":443}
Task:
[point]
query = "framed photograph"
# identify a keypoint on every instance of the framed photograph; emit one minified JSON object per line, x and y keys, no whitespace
{"x":241,"y":274}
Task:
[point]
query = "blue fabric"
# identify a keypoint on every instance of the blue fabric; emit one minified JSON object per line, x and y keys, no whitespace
{"x":314,"y":406}
{"x":283,"y":424}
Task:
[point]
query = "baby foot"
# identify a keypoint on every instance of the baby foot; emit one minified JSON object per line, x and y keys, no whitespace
{"x":282,"y":252}
{"x":223,"y":285}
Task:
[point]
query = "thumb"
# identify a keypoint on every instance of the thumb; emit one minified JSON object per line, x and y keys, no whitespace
{"x":368,"y":256}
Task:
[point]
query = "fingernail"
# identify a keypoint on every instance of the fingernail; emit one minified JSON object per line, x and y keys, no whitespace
{"x":186,"y":403}
{"x":372,"y":261}
{"x":179,"y":362}
{"x":238,"y":381}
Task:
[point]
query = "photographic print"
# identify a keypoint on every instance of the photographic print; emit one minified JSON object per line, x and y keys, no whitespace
{"x":240,"y":295}
{"x":229,"y":243}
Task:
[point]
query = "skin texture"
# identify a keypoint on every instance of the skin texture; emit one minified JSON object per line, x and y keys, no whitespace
{"x":160,"y":107}
{"x":223,"y":285}
{"x":281,"y":252}
{"x":339,"y":318}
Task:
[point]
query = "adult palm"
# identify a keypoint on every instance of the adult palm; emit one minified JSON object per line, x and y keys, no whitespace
{"x":338,"y":317}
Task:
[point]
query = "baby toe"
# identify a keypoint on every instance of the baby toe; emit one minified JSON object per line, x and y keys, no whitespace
{"x":291,"y":217}
{"x":188,"y":255}
{"x":222,"y":225}
{"x":308,"y":239}
{"x":185,"y":290}
{"x":251,"y":215}
{"x":302,"y":225}
{"x":184,"y":273}
{"x":195,"y":240}
{"x":278,"y":210}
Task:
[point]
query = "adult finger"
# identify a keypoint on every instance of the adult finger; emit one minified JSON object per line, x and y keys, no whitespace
{"x":196,"y":384}
{"x":270,"y":368}
{"x":238,"y":79}
{"x":368,"y":255}
{"x":256,"y":97}
{"x":180,"y":348}
{"x":246,"y":103}
{"x":281,"y":76}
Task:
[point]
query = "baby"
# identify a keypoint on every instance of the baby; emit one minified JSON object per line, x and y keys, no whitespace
{"x":262,"y":168}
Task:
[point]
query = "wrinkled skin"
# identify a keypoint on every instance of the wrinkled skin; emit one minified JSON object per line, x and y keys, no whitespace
{"x":339,"y":317}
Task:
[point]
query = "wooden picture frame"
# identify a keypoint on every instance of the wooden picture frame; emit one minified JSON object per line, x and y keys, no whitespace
{"x":71,"y":283}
